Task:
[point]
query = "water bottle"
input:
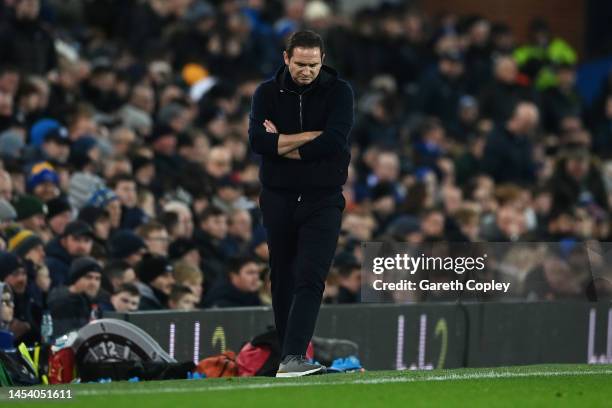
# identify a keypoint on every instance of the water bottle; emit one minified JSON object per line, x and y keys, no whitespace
{"x":46,"y":327}
{"x":93,"y":315}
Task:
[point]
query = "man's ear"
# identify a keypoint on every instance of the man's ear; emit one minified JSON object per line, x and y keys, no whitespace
{"x":286,"y":58}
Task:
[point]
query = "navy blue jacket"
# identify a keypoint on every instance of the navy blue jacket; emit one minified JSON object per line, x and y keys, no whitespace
{"x":58,"y":261}
{"x":325,"y":105}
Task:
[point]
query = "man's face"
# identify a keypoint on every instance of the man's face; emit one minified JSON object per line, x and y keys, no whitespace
{"x":187,"y":302}
{"x":125,"y":302}
{"x":35,"y":223}
{"x":219,"y":162}
{"x":36,"y":255}
{"x":126,"y":190}
{"x":247,"y":279}
{"x":8,"y":307}
{"x":216,"y":226}
{"x":163,"y":283}
{"x":88,"y":284}
{"x":136,"y":257}
{"x":304,"y":64}
{"x":241,"y":225}
{"x":102,"y":228}
{"x":27,"y":9}
{"x":17,"y":280}
{"x":57,"y":151}
{"x":77,"y":246}
{"x":157,"y":242}
{"x":59,"y":222}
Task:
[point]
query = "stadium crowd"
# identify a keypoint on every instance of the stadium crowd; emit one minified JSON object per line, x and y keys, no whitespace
{"x":127,"y":182}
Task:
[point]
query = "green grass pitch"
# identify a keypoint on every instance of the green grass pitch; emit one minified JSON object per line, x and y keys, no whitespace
{"x":526,"y":386}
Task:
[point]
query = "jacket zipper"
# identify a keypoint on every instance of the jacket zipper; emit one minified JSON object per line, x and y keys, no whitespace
{"x":301,"y":124}
{"x":300,"y":98}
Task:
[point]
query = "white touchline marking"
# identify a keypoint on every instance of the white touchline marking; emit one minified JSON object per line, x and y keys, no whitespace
{"x":282,"y":383}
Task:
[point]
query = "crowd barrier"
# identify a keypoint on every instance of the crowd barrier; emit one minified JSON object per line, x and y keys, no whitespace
{"x":415,"y":336}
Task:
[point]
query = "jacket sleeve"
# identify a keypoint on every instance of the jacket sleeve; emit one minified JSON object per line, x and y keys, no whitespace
{"x":335,"y":135}
{"x":261,"y":141}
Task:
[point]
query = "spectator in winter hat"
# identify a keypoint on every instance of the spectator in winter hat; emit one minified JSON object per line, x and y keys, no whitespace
{"x":76,"y":241}
{"x":23,"y":242}
{"x":72,"y":309}
{"x":7,"y":213}
{"x":156,"y":279}
{"x":31,"y":212}
{"x":107,"y":199}
{"x":127,"y":246}
{"x":43,"y":181}
{"x":59,"y":214}
{"x":49,"y":141}
{"x":184,"y":250}
{"x":11,"y":144}
{"x":85,"y":154}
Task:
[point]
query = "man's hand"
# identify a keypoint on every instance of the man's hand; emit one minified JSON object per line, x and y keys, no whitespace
{"x":270,"y":127}
{"x":294,"y":154}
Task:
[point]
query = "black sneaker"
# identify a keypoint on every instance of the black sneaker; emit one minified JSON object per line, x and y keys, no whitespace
{"x":298,"y":366}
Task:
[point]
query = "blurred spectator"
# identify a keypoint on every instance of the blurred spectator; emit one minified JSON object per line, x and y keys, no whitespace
{"x":190,"y":276}
{"x":125,"y":245}
{"x":73,"y":307}
{"x":155,"y":275}
{"x":14,"y":275}
{"x":59,"y":214}
{"x":508,"y":155}
{"x":125,"y":299}
{"x":31,"y":213}
{"x":7,"y":312}
{"x":182,"y":298}
{"x":116,"y":274}
{"x":26,"y":43}
{"x":239,"y":288}
{"x":155,"y":237}
{"x":209,"y":235}
{"x":75,"y":242}
{"x":349,"y":278}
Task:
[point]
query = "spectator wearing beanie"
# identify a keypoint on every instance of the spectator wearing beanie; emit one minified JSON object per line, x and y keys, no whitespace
{"x":13,"y":273}
{"x":184,"y":250}
{"x":107,"y":199}
{"x":127,"y":246}
{"x":7,"y":214}
{"x":43,"y":181}
{"x":23,"y":242}
{"x":31,"y":212}
{"x":156,"y":280}
{"x":76,"y":241}
{"x":144,"y":171}
{"x":71,"y":309}
{"x":49,"y":141}
{"x":59,"y":214}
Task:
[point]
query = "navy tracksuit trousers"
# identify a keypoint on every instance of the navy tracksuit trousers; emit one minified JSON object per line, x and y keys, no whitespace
{"x":302,"y":231}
